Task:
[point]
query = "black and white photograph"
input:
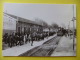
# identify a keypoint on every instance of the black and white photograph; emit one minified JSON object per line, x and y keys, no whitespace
{"x":39,"y":30}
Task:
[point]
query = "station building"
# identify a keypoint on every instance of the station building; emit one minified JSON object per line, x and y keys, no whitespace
{"x":12,"y":23}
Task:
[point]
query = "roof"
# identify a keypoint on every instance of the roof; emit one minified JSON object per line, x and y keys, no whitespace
{"x":23,"y":19}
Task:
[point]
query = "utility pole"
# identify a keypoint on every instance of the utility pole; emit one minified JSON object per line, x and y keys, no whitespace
{"x":73,"y":19}
{"x":73,"y":33}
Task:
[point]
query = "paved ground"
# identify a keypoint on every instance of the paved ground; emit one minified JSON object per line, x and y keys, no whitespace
{"x":65,"y":47}
{"x":45,"y":49}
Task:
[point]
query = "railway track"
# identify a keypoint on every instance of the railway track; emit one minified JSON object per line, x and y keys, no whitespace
{"x":45,"y":49}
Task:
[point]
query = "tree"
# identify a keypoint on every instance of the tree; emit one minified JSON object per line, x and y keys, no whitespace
{"x":42,"y":22}
{"x":54,"y":26}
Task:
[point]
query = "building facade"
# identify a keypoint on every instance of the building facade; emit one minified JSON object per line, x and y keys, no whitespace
{"x":14,"y":23}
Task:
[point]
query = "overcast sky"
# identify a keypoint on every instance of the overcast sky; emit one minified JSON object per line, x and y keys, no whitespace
{"x":51,"y":13}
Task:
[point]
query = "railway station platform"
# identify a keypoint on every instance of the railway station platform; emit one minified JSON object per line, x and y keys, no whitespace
{"x":65,"y":47}
{"x":17,"y":50}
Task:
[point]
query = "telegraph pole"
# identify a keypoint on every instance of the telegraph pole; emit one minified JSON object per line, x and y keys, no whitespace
{"x":73,"y":19}
{"x":73,"y":33}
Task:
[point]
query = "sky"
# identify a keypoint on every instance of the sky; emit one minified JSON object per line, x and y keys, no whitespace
{"x":61,"y":14}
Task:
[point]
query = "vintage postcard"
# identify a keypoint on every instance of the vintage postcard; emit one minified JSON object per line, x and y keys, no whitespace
{"x":39,"y":30}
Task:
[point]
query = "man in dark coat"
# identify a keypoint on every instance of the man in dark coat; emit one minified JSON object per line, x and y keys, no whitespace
{"x":5,"y":38}
{"x":10,"y":44}
{"x":32,"y":38}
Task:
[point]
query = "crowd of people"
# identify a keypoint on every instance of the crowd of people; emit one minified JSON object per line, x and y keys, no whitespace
{"x":15,"y":39}
{"x":66,"y":32}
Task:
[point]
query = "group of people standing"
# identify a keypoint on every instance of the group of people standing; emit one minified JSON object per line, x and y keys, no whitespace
{"x":15,"y":39}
